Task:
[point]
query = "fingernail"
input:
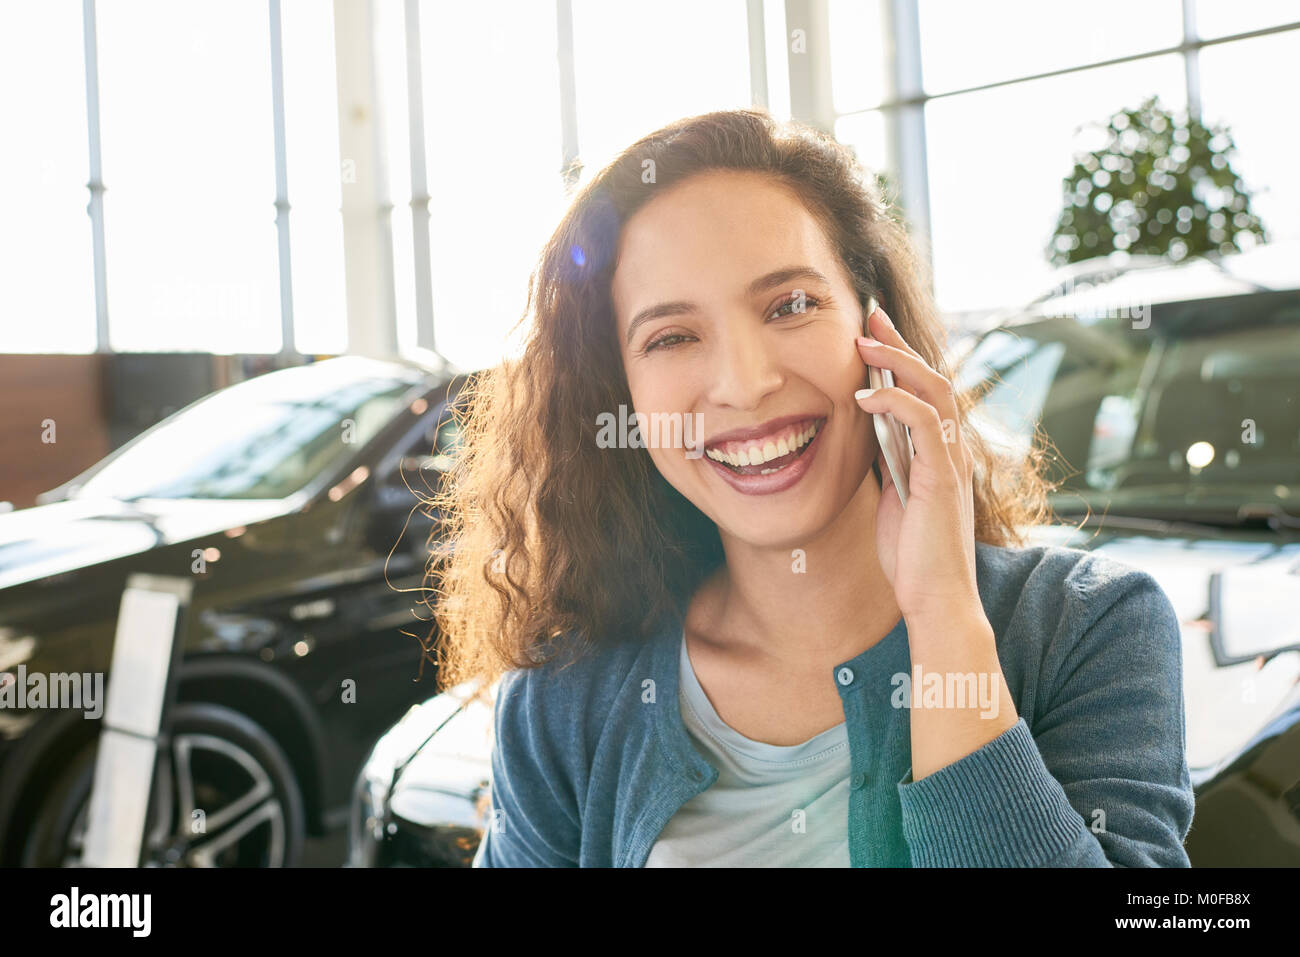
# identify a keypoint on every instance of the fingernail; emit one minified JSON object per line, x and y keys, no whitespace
{"x":863,"y":393}
{"x":864,"y":341}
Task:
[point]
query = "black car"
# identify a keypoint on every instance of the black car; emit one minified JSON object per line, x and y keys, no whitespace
{"x":288,"y":500}
{"x":1172,"y":397}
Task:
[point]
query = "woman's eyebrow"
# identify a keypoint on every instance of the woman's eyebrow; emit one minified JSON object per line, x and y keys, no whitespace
{"x":779,"y":277}
{"x":776,"y":277}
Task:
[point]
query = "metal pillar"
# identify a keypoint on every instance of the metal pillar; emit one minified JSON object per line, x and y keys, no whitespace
{"x":367,"y":207}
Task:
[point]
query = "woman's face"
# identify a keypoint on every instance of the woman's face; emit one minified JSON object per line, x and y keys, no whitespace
{"x":707,"y":296}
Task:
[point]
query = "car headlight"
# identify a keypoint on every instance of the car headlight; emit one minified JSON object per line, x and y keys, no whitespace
{"x":366,"y":821}
{"x":416,"y":800}
{"x":368,"y":815}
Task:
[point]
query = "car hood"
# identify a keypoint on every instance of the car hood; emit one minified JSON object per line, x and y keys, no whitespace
{"x":1225,"y":705}
{"x":64,"y":536}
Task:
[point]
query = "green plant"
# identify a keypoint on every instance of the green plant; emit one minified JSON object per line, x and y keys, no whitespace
{"x":1163,"y":185}
{"x":892,"y":195}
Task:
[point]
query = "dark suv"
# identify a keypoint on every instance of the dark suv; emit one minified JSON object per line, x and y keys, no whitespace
{"x":287,"y":500}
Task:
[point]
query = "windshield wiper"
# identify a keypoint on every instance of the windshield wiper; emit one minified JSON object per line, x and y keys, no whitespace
{"x":1275,"y":515}
{"x":1149,"y":524}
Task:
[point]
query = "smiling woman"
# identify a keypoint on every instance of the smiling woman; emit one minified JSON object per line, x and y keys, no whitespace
{"x":699,"y":653}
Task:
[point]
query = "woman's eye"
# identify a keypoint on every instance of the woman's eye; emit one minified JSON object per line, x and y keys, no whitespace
{"x":795,"y":301}
{"x":662,"y":340}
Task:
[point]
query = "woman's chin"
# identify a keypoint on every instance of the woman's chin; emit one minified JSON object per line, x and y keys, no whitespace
{"x":792,"y":521}
{"x":756,"y":524}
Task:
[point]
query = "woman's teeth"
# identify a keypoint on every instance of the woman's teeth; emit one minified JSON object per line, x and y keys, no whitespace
{"x":771,"y":449}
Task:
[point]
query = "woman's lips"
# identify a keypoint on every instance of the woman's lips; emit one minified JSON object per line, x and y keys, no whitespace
{"x":757,"y":447}
{"x":790,"y":468}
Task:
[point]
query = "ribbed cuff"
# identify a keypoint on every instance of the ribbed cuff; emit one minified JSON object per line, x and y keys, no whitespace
{"x":998,"y":806}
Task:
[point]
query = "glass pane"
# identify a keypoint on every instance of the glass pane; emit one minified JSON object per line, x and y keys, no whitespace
{"x":859,"y":57}
{"x":312,"y":145}
{"x":190,"y":168}
{"x":493,"y":161}
{"x":866,"y":133}
{"x":968,"y":44}
{"x":400,"y":229}
{"x":776,"y":50}
{"x":319,"y":295}
{"x":996,"y":161}
{"x":390,"y":44}
{"x":46,"y":263}
{"x":1242,"y":84}
{"x":637,"y":73}
{"x":1220,"y":18}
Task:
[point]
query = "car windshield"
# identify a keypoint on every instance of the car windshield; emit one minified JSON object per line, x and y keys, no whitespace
{"x":263,"y":438}
{"x":1193,"y":413}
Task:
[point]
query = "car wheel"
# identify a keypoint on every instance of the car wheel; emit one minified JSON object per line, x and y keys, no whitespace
{"x":224,"y":795}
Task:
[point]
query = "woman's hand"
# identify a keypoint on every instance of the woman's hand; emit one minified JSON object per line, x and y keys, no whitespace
{"x":927,"y":550}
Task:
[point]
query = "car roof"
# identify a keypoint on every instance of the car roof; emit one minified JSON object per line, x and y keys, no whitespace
{"x":360,"y":366}
{"x":1102,"y":285}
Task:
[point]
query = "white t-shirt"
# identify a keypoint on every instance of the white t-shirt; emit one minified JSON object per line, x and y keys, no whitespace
{"x":771,"y":806}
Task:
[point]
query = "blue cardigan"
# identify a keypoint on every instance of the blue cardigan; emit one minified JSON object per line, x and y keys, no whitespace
{"x":591,"y":760}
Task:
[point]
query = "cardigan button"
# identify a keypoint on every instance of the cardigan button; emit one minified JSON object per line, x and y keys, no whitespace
{"x":859,"y":781}
{"x":845,"y":676}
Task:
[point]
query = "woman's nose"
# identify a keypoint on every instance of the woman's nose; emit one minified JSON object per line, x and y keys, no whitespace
{"x":745,"y":368}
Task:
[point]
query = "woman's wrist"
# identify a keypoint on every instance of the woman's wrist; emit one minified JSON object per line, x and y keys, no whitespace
{"x":936,"y":620}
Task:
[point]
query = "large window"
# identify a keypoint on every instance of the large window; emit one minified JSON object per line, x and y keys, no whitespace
{"x":46,"y":263}
{"x":200,"y":142}
{"x":167,"y":142}
{"x":486,"y":150}
{"x":971,"y":44}
{"x":1005,"y":87}
{"x":996,"y":159}
{"x":636,"y":73}
{"x":189,"y":214}
{"x":1221,"y":18}
{"x":1266,"y":138}
{"x":487,"y":146}
{"x":315,"y":175}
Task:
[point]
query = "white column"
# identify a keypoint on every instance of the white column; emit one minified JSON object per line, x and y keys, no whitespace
{"x":907,"y":122}
{"x":809,"y":54}
{"x":1192,"y":59}
{"x":367,"y":234}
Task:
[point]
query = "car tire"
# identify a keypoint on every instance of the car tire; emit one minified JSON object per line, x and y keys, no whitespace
{"x":224,"y":795}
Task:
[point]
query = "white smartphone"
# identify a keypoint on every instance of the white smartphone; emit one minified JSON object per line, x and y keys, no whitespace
{"x":894,"y":438}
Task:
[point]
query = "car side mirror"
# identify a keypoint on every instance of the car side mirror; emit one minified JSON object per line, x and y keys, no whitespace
{"x":400,"y":510}
{"x":1254,"y":611}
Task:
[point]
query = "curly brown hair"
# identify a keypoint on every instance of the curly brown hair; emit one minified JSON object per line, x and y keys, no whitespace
{"x":547,"y":537}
